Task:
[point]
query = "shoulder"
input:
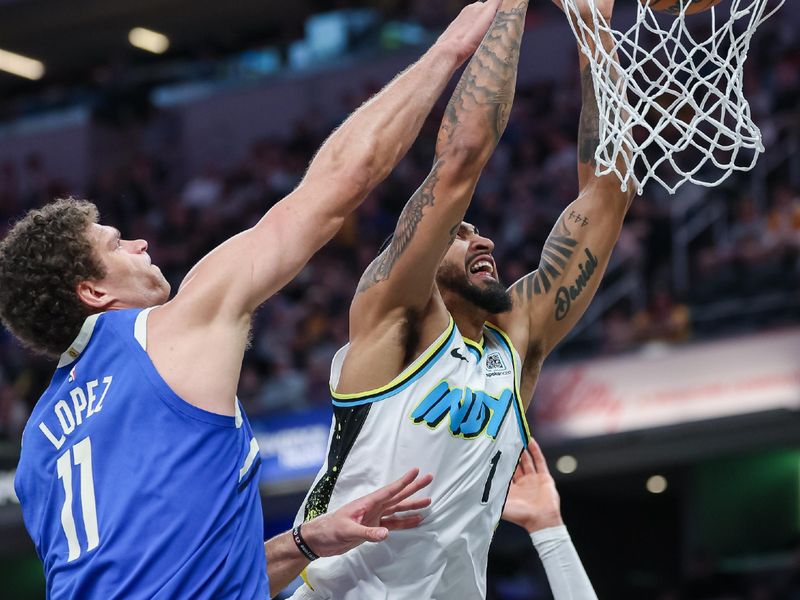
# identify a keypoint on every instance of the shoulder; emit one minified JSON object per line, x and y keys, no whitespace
{"x":515,"y":328}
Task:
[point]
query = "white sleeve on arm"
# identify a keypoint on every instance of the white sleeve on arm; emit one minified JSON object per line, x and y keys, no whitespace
{"x":565,"y":573}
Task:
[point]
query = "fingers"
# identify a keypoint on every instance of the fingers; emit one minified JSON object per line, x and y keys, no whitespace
{"x":493,"y":6}
{"x":379,"y":534}
{"x":409,"y":490}
{"x":388,"y":492}
{"x":372,"y":534}
{"x":526,"y":465}
{"x":395,"y":493}
{"x":539,"y":463}
{"x":395,"y":523}
{"x":413,"y":504}
{"x":483,"y":8}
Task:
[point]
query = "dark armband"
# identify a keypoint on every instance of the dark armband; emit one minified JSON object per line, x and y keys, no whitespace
{"x":302,"y":545}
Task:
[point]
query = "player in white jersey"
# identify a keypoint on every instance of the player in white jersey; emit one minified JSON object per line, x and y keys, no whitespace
{"x":443,"y":359}
{"x":412,"y":419}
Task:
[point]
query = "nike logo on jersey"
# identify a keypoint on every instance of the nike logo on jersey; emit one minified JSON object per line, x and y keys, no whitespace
{"x":456,"y":354}
{"x":471,"y":412}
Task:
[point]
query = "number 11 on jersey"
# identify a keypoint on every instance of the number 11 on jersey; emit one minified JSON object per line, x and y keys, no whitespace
{"x":81,"y":453}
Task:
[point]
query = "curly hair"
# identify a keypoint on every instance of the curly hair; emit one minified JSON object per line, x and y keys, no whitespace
{"x":42,"y":260}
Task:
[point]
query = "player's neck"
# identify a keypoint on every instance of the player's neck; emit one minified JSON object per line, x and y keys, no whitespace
{"x":469,"y":319}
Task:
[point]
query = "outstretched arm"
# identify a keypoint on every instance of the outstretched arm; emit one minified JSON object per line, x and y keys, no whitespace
{"x":474,"y":121}
{"x":213,"y":308}
{"x":401,"y":279}
{"x":534,"y":505}
{"x":367,"y":519}
{"x":246,"y":270}
{"x":549,"y":301}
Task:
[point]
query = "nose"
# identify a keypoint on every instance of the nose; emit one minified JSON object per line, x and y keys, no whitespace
{"x":137,"y":246}
{"x":482,"y":244}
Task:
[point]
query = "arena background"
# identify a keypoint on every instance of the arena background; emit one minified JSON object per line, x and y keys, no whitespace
{"x":686,"y":367}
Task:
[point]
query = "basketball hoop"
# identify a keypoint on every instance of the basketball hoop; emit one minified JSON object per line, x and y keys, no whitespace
{"x":669,"y":92}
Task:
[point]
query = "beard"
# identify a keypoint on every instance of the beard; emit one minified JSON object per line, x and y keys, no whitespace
{"x":491,"y":297}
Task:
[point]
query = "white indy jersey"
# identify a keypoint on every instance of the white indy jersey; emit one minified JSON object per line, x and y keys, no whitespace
{"x":454,"y":412}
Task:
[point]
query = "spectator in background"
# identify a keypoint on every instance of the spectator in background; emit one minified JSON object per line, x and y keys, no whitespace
{"x":34,"y":183}
{"x":204,"y":191}
{"x":664,"y":319}
{"x":285,"y":388}
{"x":13,"y":412}
{"x":619,"y":333}
{"x":783,"y":218}
{"x":9,"y":191}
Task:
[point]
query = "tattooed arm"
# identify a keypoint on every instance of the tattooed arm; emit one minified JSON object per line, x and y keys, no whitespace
{"x":215,"y":303}
{"x":549,"y":301}
{"x":401,"y":280}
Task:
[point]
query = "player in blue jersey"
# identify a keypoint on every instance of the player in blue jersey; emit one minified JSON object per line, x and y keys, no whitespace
{"x":138,"y":472}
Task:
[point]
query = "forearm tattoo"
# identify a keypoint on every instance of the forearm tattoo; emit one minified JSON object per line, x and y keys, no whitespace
{"x":566,"y":295}
{"x":381,"y":267}
{"x":589,"y":126}
{"x":483,"y":97}
{"x":560,"y":252}
{"x":489,"y":80}
{"x":558,"y":249}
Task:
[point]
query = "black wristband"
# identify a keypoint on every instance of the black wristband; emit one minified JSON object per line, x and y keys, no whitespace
{"x":301,"y":544}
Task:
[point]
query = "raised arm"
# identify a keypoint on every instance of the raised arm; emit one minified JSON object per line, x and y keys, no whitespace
{"x":242,"y":273}
{"x":402,"y":277}
{"x":214,"y":305}
{"x":549,"y":301}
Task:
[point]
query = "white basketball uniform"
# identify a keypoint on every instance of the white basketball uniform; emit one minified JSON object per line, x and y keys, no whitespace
{"x":454,"y":412}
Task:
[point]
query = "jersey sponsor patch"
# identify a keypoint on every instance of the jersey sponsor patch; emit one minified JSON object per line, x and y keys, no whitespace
{"x":495,"y":365}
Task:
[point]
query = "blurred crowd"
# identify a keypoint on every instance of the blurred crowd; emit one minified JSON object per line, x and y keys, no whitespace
{"x":528,"y":182}
{"x":742,"y":271}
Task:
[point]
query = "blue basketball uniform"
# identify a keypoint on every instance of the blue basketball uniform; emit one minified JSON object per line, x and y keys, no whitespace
{"x":127,"y":490}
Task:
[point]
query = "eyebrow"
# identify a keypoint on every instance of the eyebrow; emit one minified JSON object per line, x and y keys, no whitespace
{"x":116,"y":237}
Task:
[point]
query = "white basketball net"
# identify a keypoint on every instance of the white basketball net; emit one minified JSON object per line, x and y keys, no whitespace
{"x":669,"y":92}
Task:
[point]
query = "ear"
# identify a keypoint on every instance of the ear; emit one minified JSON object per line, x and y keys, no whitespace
{"x":94,"y":295}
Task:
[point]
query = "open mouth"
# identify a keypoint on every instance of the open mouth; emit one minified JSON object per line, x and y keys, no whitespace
{"x":483,"y":267}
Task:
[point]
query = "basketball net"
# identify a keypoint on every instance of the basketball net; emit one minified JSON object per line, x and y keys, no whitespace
{"x":669,"y":92}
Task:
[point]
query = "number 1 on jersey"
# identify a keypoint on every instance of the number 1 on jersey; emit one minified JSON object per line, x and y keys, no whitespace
{"x":488,"y":487}
{"x":82,"y":454}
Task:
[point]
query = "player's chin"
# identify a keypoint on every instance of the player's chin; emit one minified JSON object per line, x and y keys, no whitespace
{"x":161,"y":284}
{"x":482,"y":279}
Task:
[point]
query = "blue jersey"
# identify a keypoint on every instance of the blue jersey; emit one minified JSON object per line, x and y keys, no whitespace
{"x":127,"y":490}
